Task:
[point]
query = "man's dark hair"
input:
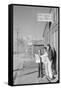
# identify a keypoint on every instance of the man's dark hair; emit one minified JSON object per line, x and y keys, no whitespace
{"x":45,"y":48}
{"x":49,"y":46}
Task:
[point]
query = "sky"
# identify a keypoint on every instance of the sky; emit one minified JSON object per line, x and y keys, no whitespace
{"x":26,"y":23}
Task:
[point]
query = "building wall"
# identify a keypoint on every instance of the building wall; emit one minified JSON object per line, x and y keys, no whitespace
{"x":51,"y":34}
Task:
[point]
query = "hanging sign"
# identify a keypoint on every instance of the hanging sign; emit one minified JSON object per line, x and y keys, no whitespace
{"x":45,"y":17}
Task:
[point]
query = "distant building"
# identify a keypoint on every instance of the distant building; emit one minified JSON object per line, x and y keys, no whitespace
{"x":38,"y":45}
{"x":35,"y":46}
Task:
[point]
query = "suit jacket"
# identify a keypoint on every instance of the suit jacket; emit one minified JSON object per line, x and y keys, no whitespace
{"x":50,"y":54}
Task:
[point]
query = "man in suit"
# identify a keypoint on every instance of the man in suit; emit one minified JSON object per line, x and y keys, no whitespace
{"x":52,"y":58}
{"x":54,"y":61}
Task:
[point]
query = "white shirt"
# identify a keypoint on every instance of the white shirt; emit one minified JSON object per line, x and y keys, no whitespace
{"x":44,"y":57}
{"x":37,"y":58}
